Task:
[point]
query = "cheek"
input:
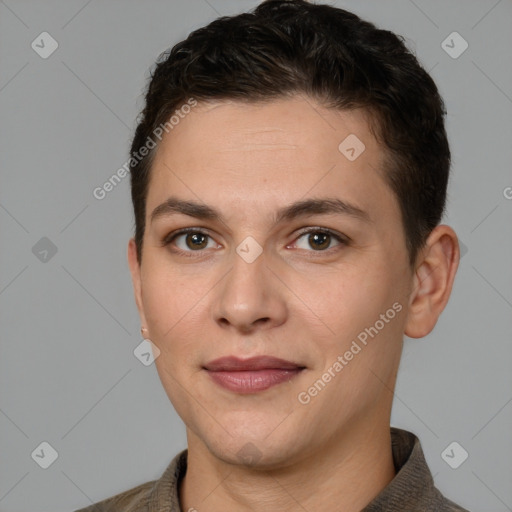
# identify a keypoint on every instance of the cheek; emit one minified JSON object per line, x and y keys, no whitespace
{"x":353,"y":312}
{"x":348,"y":298}
{"x":171,"y":301}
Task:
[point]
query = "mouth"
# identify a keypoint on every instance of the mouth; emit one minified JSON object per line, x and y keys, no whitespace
{"x":251,"y":375}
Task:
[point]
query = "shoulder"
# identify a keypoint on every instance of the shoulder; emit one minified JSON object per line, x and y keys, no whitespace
{"x":132,"y":500}
{"x":161,"y":494}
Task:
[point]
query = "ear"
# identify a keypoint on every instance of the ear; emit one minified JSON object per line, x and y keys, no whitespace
{"x":136,"y":279}
{"x":433,"y":280}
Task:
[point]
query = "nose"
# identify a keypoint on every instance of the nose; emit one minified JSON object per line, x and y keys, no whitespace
{"x":250,"y":296}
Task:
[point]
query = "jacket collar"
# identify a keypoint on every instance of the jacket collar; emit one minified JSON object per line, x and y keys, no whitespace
{"x":411,"y":489}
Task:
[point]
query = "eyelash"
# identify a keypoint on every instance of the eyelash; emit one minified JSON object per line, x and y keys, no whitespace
{"x":344,"y":241}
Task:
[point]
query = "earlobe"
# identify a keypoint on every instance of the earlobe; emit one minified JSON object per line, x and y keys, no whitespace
{"x":136,"y":278}
{"x":433,"y":281}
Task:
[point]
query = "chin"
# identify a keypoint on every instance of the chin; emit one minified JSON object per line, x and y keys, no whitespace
{"x":254,"y":451}
{"x":252,"y":455}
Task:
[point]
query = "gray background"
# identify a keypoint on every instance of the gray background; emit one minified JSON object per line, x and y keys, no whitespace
{"x":70,"y":325}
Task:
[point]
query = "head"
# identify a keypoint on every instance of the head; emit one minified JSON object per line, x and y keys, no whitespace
{"x":248,"y":117}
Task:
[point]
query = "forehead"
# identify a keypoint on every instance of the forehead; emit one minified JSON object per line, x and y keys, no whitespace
{"x":295,"y":123}
{"x":269,"y":153}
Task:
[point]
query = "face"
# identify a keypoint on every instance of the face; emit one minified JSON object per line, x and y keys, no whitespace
{"x":323,"y":288}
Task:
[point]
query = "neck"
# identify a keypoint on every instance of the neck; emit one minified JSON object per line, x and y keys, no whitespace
{"x":344,"y":475}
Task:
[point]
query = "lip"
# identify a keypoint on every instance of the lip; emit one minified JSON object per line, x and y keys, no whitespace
{"x":232,"y":363}
{"x":251,"y":375}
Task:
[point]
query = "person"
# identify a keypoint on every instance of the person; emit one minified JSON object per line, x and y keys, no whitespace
{"x":288,"y":177}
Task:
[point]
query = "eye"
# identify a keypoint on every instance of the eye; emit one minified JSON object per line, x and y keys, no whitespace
{"x":320,"y":239}
{"x":193,"y":240}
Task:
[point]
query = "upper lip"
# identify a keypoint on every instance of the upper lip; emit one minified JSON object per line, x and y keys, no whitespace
{"x":232,"y":363}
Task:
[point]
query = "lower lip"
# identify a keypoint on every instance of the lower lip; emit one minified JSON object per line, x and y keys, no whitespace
{"x":252,"y":381}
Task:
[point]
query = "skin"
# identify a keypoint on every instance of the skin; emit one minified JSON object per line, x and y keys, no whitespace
{"x":295,"y":301}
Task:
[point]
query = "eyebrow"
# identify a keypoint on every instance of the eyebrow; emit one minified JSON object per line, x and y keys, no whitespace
{"x":323,"y":206}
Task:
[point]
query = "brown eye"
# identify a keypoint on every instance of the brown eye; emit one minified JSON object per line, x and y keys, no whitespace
{"x":195,"y":240}
{"x":320,"y":240}
{"x":187,"y":241}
